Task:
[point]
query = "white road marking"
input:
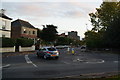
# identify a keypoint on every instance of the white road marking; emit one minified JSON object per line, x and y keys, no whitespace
{"x":115,"y":61}
{"x":66,"y":62}
{"x":102,"y":61}
{"x":29,"y":61}
{"x":5,"y":66}
{"x":78,"y":60}
{"x":34,"y":65}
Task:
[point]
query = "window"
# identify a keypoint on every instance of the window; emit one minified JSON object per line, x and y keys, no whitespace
{"x":51,"y":49}
{"x":33,"y":32}
{"x":3,"y":35}
{"x":24,"y":31}
{"x":29,"y":32}
{"x":3,"y":24}
{"x":43,"y":49}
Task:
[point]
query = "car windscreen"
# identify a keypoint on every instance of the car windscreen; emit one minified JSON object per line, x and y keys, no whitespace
{"x":43,"y":49}
{"x":82,"y":47}
{"x":51,"y":49}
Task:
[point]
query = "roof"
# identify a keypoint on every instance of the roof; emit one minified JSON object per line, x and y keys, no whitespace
{"x":4,"y":16}
{"x":21,"y":23}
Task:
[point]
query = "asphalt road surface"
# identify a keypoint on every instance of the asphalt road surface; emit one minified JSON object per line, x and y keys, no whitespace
{"x":29,"y":66}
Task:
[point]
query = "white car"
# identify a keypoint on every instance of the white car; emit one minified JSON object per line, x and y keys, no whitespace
{"x":48,"y":52}
{"x":83,"y":48}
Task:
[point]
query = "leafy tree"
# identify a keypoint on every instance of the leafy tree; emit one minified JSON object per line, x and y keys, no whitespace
{"x":104,"y":15}
{"x":106,"y":23}
{"x":38,"y":33}
{"x":49,"y":33}
{"x":93,"y":39}
{"x":64,"y":41}
{"x":111,"y":36}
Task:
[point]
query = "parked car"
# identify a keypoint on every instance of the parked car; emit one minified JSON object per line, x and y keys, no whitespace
{"x":48,"y":52}
{"x":62,"y":46}
{"x":83,"y":48}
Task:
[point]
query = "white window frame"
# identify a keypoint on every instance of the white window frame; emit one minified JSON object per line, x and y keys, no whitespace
{"x":3,"y":24}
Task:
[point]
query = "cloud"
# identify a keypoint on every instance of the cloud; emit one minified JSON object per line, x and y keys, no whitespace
{"x":67,"y":15}
{"x":44,"y":9}
{"x":53,"y":0}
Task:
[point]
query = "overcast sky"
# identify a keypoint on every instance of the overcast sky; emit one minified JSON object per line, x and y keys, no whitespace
{"x":67,"y":15}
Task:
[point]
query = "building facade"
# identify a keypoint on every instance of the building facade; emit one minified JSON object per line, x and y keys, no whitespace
{"x":73,"y":35}
{"x":5,"y":26}
{"x":21,"y":28}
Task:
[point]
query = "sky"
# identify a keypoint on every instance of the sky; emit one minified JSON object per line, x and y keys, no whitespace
{"x":67,"y":15}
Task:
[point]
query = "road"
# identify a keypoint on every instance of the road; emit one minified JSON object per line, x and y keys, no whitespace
{"x":29,"y":66}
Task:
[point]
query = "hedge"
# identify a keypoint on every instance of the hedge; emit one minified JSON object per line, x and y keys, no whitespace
{"x":7,"y":42}
{"x":24,"y":42}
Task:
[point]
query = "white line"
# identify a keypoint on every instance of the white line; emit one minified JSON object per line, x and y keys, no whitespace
{"x":34,"y":65}
{"x":29,"y":61}
{"x":96,"y":62}
{"x":5,"y":66}
{"x":115,"y":61}
{"x":66,"y":62}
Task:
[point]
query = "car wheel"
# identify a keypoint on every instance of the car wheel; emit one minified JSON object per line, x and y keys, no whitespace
{"x":38,"y":55}
{"x":56,"y":57}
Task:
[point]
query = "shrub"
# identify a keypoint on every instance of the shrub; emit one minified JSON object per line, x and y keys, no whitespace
{"x":24,"y":42}
{"x":7,"y":42}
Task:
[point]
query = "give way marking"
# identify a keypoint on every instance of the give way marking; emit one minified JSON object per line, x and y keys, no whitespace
{"x":29,"y":61}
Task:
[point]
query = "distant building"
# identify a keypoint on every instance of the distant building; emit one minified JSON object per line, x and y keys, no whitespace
{"x":5,"y":23}
{"x":73,"y":35}
{"x":21,"y":28}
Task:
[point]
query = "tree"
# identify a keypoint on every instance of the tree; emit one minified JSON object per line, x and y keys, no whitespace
{"x":106,"y":23}
{"x":38,"y":33}
{"x":63,"y":41}
{"x":104,"y":15}
{"x":93,"y":39}
{"x":111,"y":36}
{"x":49,"y":33}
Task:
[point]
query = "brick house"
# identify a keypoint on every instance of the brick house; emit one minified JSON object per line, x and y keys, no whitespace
{"x":21,"y":28}
{"x":5,"y":26}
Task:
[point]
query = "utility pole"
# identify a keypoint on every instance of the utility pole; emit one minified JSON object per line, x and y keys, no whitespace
{"x":87,"y":27}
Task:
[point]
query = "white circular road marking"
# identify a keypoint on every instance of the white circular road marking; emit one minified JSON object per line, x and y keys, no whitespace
{"x":94,"y":62}
{"x":89,"y":60}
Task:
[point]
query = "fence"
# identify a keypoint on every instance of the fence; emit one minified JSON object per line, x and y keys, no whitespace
{"x":21,"y":49}
{"x":7,"y":49}
{"x":32,"y":48}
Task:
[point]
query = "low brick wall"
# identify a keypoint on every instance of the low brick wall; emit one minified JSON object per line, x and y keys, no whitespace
{"x":32,"y":48}
{"x":7,"y":49}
